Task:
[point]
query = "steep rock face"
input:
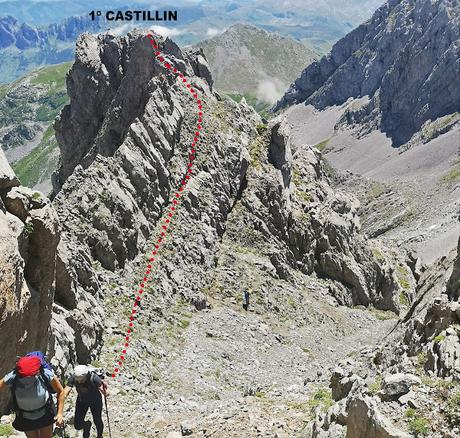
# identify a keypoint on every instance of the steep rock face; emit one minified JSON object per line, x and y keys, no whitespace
{"x":121,"y":84}
{"x":123,"y":140}
{"x":33,"y":263}
{"x":405,"y":58}
{"x":131,"y":138}
{"x":29,"y":235}
{"x":314,"y":228}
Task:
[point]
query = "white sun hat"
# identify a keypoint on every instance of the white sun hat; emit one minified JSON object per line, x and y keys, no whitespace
{"x":81,"y":371}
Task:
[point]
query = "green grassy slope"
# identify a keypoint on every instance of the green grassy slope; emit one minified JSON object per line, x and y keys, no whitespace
{"x":259,"y":65}
{"x":28,"y":107}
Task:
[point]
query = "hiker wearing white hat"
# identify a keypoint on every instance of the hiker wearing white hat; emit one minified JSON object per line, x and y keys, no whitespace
{"x":90,"y":388}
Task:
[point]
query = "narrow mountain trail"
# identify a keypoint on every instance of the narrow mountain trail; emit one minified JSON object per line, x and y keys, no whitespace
{"x":222,"y":371}
{"x":168,"y":214}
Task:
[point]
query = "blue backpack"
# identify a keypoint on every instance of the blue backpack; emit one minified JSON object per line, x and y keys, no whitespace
{"x":42,"y":357}
{"x":31,"y":391}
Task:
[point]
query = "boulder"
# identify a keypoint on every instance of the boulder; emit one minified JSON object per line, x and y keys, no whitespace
{"x":8,"y":178}
{"x":409,"y":399}
{"x":187,"y":428}
{"x":396,"y":385}
{"x":17,"y":202}
{"x":366,"y":421}
{"x":341,"y":383}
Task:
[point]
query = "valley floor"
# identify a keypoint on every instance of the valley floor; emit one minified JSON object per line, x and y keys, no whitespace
{"x":224,"y":372}
{"x":411,"y":193}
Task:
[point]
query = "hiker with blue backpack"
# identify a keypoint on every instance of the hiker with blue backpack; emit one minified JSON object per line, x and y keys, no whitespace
{"x":90,"y":389}
{"x":32,"y":384}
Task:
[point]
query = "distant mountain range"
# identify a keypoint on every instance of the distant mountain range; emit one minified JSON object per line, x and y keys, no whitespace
{"x":24,"y":47}
{"x":23,"y":36}
{"x":34,"y":34}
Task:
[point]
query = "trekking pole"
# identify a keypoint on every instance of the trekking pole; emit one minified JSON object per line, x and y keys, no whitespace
{"x":107,"y":412}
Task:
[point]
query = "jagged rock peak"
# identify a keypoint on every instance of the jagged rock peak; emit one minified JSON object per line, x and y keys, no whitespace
{"x":120,"y":75}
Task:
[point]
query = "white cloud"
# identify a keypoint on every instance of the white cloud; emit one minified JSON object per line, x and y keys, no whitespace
{"x":161,"y":30}
{"x":168,"y":31}
{"x":270,"y":89}
{"x":212,"y":31}
{"x":121,"y":30}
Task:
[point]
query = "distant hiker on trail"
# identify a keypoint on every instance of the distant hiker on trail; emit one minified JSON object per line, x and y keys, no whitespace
{"x":32,"y":384}
{"x":90,"y":388}
{"x":246,"y":299}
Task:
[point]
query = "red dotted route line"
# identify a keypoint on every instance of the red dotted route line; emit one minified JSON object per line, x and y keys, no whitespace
{"x":166,"y":219}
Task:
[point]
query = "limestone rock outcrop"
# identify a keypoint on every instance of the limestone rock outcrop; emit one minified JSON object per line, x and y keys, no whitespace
{"x":32,"y":266}
{"x":318,"y":227}
{"x":123,"y":142}
{"x":365,"y":421}
{"x":29,"y":235}
{"x":403,"y":378}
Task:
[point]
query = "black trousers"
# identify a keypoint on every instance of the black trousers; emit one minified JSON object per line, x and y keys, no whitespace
{"x":81,"y":410}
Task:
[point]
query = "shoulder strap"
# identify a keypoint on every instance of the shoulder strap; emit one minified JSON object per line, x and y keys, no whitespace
{"x":95,"y":374}
{"x":46,"y":381}
{"x":13,"y":391}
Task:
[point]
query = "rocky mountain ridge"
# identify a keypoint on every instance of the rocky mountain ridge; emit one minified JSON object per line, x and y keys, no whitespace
{"x":258,"y":211}
{"x":29,"y":105}
{"x":113,"y":117}
{"x":404,"y":60}
{"x":400,"y":160}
